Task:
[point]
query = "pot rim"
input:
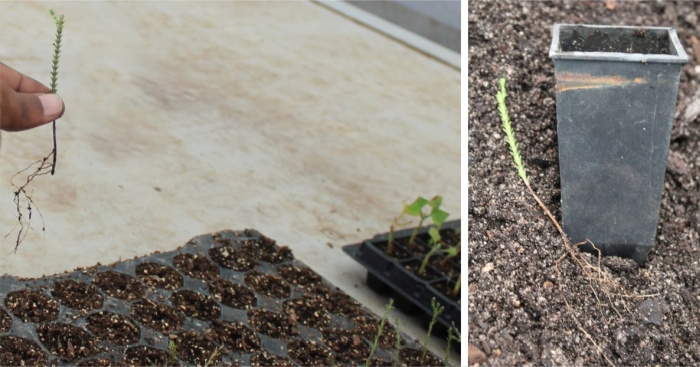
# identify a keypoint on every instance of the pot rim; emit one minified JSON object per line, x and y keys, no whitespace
{"x":679,"y":58}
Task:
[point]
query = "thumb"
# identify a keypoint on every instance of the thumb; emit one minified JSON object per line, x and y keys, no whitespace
{"x":23,"y":111}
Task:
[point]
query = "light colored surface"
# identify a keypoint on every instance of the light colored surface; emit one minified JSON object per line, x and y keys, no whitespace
{"x":411,"y":39}
{"x":283,"y":117}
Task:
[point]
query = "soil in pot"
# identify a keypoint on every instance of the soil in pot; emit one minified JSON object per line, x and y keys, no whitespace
{"x":32,"y":306}
{"x":157,"y":316}
{"x":77,"y":295}
{"x":428,"y":273}
{"x":233,"y":294}
{"x":349,"y":346}
{"x":113,"y":328}
{"x":196,"y":305}
{"x":397,"y":252}
{"x":119,"y":285}
{"x":160,"y":276}
{"x":16,"y":351}
{"x":196,"y":266}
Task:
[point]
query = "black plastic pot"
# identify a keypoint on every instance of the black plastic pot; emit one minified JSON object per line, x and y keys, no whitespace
{"x":413,"y":294}
{"x":616,"y":90}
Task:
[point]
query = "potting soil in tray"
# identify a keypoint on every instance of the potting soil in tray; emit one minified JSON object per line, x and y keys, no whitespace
{"x":231,"y":298}
{"x":398,"y":273}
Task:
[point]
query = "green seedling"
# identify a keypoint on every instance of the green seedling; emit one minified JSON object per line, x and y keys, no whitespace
{"x":398,"y":343}
{"x":436,"y":243}
{"x":434,"y":249}
{"x":447,"y":348}
{"x":173,"y":352}
{"x":212,"y":356}
{"x":436,"y":214}
{"x":437,"y":310}
{"x":452,"y":335}
{"x":415,"y":209}
{"x":585,"y":266}
{"x":54,"y":74}
{"x":394,"y":224}
{"x":44,"y":166}
{"x":389,"y":307}
{"x":453,"y":251}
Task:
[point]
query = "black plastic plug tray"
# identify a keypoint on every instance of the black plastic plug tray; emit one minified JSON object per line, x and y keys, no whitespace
{"x":220,"y":292}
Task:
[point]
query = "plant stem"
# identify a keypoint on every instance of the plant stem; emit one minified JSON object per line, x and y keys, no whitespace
{"x":390,"y":244}
{"x":415,"y":231}
{"x":389,"y":307}
{"x":423,"y":264}
{"x":447,"y":349}
{"x":398,"y":343}
{"x":455,"y":290}
{"x":451,"y":256}
{"x":54,"y":76}
{"x":437,"y":310}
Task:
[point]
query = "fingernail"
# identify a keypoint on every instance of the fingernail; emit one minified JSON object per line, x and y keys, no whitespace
{"x":53,"y":105}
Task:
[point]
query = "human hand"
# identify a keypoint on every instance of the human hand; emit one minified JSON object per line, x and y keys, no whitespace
{"x":24,"y":102}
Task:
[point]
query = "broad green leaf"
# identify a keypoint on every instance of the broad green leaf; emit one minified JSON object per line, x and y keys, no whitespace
{"x":416,"y":208}
{"x":435,"y":202}
{"x":439,"y":216}
{"x":434,"y":234}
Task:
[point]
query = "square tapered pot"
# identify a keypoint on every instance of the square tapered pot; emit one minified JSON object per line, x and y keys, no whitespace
{"x":616,"y":90}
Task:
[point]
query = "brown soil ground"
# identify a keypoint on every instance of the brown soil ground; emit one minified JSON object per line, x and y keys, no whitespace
{"x":517,"y":314}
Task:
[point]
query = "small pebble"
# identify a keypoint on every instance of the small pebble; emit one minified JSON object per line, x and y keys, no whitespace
{"x":475,"y":355}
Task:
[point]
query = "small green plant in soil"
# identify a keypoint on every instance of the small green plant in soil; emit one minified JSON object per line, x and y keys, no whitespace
{"x":415,"y":209}
{"x":44,"y":166}
{"x":452,"y":335}
{"x":373,"y":349}
{"x":452,"y":251}
{"x":213,"y":355}
{"x":608,"y":286}
{"x":173,"y":352}
{"x":398,"y":342}
{"x":436,"y":245}
{"x":437,"y":310}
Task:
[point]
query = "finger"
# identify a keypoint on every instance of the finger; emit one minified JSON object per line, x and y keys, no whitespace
{"x":22,"y":111}
{"x":20,"y":82}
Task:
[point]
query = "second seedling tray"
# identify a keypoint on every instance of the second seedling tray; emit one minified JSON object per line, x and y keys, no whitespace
{"x":396,"y":274}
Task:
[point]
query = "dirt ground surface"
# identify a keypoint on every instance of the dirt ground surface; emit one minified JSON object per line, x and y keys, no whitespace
{"x":517,"y":312}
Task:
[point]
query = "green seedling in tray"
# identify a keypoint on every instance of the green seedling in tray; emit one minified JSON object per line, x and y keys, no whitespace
{"x":389,"y":307}
{"x":439,"y":217}
{"x":398,"y":343}
{"x":415,"y":209}
{"x":437,"y":310}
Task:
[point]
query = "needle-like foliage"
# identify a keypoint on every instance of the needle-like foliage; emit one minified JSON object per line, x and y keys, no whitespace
{"x":508,"y":130}
{"x":54,"y":74}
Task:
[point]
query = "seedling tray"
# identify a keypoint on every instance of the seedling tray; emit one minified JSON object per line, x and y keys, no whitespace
{"x":396,"y":275}
{"x":236,"y":293}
